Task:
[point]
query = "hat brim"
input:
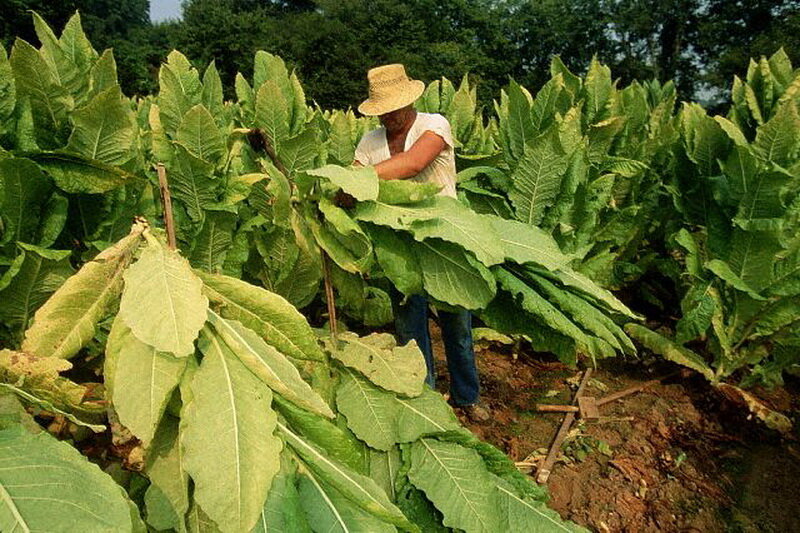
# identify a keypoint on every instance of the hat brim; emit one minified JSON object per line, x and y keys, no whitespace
{"x":373,"y":108}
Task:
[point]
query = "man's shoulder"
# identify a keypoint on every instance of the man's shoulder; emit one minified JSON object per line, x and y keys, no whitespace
{"x":373,"y":135}
{"x":434,"y":118}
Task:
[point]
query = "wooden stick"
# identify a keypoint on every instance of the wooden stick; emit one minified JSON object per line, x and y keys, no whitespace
{"x":329,"y":297}
{"x":627,"y":392}
{"x":547,"y":464}
{"x":556,"y":408}
{"x":326,"y":268}
{"x":166,"y":200}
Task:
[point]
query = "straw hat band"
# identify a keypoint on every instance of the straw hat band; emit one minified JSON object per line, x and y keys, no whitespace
{"x":384,"y":83}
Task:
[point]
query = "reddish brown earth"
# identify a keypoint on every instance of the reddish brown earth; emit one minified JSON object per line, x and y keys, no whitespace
{"x":672,"y":458}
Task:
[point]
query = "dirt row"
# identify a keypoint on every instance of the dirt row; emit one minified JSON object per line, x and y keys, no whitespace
{"x":674,"y":457}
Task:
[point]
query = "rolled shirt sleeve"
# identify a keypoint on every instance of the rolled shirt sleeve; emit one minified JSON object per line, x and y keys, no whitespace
{"x":362,"y":154}
{"x":439,"y":125}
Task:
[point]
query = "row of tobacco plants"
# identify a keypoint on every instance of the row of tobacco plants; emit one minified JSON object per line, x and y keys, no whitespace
{"x":185,"y":356}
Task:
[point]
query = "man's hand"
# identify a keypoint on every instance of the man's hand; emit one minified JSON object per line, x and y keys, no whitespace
{"x":410,"y":163}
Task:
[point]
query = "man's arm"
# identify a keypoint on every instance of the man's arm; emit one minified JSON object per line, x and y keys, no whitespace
{"x":410,"y":163}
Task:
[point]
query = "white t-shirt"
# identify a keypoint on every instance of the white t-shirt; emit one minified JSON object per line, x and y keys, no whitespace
{"x":374,"y":149}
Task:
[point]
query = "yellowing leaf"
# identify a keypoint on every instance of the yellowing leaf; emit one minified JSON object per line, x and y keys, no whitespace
{"x":162,"y":302}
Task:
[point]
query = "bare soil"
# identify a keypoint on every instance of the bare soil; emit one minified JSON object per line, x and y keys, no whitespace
{"x":674,"y":457}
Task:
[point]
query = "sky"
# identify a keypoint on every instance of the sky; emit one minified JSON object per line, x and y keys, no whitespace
{"x":164,"y":9}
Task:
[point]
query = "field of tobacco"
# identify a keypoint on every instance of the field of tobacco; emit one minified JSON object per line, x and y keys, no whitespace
{"x":221,"y":358}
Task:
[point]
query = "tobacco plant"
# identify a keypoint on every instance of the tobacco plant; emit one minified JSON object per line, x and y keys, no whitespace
{"x":735,"y":183}
{"x":246,"y":423}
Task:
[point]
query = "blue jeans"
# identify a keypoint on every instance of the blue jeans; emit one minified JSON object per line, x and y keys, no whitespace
{"x":411,"y":322}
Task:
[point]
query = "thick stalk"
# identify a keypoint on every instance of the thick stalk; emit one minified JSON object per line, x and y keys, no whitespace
{"x":166,"y":202}
{"x":321,"y":377}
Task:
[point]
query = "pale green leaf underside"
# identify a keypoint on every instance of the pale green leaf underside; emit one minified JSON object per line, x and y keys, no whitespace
{"x":455,"y":479}
{"x":46,"y":484}
{"x":162,"y":301}
{"x":396,"y":368}
{"x":227,"y":435}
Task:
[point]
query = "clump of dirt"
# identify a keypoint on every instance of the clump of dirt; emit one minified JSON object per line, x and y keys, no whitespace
{"x":669,"y":458}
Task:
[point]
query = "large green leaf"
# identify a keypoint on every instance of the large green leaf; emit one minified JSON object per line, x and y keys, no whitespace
{"x":48,"y":485}
{"x":577,"y":280}
{"x":64,"y":56}
{"x":587,"y":315}
{"x":394,"y":251}
{"x":455,"y":479}
{"x":537,"y":178}
{"x":34,"y":275}
{"x":8,"y":91}
{"x":382,"y":419}
{"x":534,"y":303}
{"x":162,"y":302}
{"x":199,"y":134}
{"x":342,"y":238}
{"x":283,"y":510}
{"x":778,"y":140}
{"x":192,"y":182}
{"x":104,"y":129}
{"x":384,"y":468}
{"x":341,"y":147}
{"x":49,"y":101}
{"x":67,"y":321}
{"x":443,"y":218}
{"x":668,"y":349}
{"x":272,"y":113}
{"x":339,"y":444}
{"x":268,"y":364}
{"x":599,"y":91}
{"x":525,"y":514}
{"x":359,"y":182}
{"x":517,"y":124}
{"x":179,"y":90}
{"x":427,"y":414}
{"x":453,"y":276}
{"x":211,"y":245}
{"x":266,"y":313}
{"x":330,"y":511}
{"x":103,"y":74}
{"x":23,"y":193}
{"x":400,"y":369}
{"x":371,"y":413}
{"x":394,"y":192}
{"x":143,"y":380}
{"x":213,"y":97}
{"x":165,"y":470}
{"x":359,"y":489}
{"x":77,"y":174}
{"x":299,"y":152}
{"x":524,"y":243}
{"x":227,"y":435}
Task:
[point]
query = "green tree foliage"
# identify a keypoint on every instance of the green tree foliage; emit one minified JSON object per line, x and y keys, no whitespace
{"x":700,"y":44}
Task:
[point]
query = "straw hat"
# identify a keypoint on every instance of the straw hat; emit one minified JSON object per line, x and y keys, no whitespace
{"x":390,"y":89}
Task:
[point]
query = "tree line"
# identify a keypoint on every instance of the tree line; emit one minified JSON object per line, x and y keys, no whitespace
{"x":701,"y":44}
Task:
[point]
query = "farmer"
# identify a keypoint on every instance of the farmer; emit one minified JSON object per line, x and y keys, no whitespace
{"x":419,"y":146}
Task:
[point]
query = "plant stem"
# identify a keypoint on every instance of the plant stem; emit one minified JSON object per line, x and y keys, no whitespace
{"x":330,"y":297}
{"x":326,"y":269}
{"x":166,"y":200}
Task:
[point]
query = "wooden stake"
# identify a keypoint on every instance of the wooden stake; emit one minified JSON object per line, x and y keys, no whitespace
{"x":330,"y":297}
{"x":547,"y":464}
{"x":166,"y":201}
{"x":326,"y":268}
